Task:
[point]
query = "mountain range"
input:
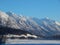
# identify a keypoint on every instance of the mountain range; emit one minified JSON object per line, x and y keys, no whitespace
{"x":41,"y":27}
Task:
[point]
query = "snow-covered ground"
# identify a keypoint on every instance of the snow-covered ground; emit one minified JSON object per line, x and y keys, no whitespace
{"x":27,"y":41}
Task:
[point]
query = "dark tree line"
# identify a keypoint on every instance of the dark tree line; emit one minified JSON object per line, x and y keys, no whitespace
{"x":6,"y":30}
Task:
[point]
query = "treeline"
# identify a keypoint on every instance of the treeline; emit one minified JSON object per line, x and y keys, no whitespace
{"x":7,"y":30}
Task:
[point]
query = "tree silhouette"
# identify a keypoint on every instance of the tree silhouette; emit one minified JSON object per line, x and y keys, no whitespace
{"x":6,"y":30}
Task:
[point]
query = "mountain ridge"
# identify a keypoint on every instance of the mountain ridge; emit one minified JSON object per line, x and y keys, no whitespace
{"x":44,"y":27}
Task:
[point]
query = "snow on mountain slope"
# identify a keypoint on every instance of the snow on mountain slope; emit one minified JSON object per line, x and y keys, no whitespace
{"x":57,"y":23}
{"x":44,"y":27}
{"x":3,"y":18}
{"x":49,"y":27}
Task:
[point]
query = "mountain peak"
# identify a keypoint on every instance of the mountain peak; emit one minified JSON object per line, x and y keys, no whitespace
{"x":10,"y":13}
{"x":3,"y":14}
{"x":46,"y":17}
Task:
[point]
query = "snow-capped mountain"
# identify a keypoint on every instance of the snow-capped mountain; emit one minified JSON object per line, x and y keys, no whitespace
{"x":40,"y":27}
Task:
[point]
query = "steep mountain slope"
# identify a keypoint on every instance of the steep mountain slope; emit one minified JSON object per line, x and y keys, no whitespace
{"x":40,"y":27}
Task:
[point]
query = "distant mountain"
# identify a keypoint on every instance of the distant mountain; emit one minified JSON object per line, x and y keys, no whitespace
{"x":40,"y":27}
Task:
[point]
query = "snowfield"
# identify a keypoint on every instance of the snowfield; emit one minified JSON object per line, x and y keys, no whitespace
{"x":27,"y":41}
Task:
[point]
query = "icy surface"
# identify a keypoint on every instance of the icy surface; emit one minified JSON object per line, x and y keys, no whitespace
{"x":24,"y":41}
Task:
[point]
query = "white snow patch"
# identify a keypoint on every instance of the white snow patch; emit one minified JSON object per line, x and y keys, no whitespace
{"x":57,"y":23}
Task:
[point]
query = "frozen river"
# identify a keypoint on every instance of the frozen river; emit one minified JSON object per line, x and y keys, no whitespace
{"x":28,"y":41}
